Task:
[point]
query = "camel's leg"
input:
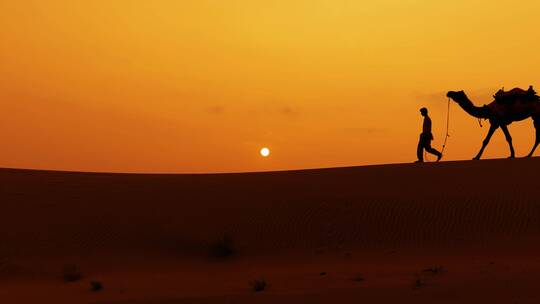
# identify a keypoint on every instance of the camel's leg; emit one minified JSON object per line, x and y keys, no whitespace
{"x":537,"y":141}
{"x":504,"y":128}
{"x":492,"y":129}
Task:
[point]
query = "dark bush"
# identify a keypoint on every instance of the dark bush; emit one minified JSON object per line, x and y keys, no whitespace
{"x":433,"y":270}
{"x":419,"y":282}
{"x":258,"y":285}
{"x":96,"y":286}
{"x":71,"y":273}
{"x":223,"y":248}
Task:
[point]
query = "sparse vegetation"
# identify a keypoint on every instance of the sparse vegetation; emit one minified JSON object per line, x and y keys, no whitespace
{"x":96,"y":286}
{"x":433,"y":270}
{"x":223,"y":248}
{"x":419,"y":282}
{"x":258,"y":285}
{"x":71,"y":273}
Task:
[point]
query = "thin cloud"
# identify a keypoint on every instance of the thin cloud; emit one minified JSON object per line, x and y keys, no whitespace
{"x":289,"y":111}
{"x":216,"y":110}
{"x":281,"y":111}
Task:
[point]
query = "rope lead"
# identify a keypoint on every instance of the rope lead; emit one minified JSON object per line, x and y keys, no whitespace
{"x":447,"y":126}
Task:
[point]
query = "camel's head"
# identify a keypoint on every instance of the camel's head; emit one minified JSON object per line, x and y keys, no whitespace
{"x":458,"y":96}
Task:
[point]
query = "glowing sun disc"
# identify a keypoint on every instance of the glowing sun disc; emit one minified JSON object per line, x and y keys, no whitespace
{"x":265,"y":152}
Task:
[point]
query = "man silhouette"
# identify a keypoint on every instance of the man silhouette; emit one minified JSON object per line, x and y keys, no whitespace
{"x":425,"y":139}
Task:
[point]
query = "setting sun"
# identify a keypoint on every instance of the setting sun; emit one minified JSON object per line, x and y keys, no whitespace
{"x":265,"y":152}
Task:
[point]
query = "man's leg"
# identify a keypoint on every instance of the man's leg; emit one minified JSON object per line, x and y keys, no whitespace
{"x":429,"y":149}
{"x":420,"y":150}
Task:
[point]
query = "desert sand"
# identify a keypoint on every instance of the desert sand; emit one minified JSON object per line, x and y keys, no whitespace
{"x":451,"y":232}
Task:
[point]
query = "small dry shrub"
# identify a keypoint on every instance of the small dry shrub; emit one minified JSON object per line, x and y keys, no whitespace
{"x":223,"y":248}
{"x":419,"y":282}
{"x":258,"y":285}
{"x":71,"y":273}
{"x":96,"y":286}
{"x":433,"y":270}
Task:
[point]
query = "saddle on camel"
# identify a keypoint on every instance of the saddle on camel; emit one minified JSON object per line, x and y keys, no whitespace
{"x":503,"y":96}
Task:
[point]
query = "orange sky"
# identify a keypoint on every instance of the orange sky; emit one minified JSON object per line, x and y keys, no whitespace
{"x":201,"y":86}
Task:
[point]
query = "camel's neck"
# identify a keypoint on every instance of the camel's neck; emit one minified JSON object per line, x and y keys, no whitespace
{"x":478,"y":112}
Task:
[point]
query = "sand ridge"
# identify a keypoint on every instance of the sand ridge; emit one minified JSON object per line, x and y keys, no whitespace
{"x":122,"y":226}
{"x":383,"y":206}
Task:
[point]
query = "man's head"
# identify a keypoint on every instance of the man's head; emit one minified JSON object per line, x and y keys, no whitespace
{"x":423,"y":111}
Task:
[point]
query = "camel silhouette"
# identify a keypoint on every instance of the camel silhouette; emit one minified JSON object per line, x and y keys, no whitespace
{"x":514,"y":105}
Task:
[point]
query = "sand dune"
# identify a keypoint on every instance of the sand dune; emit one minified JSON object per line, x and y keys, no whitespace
{"x":157,"y":238}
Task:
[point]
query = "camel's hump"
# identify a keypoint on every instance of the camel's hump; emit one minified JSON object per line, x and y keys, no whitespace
{"x":516,"y":94}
